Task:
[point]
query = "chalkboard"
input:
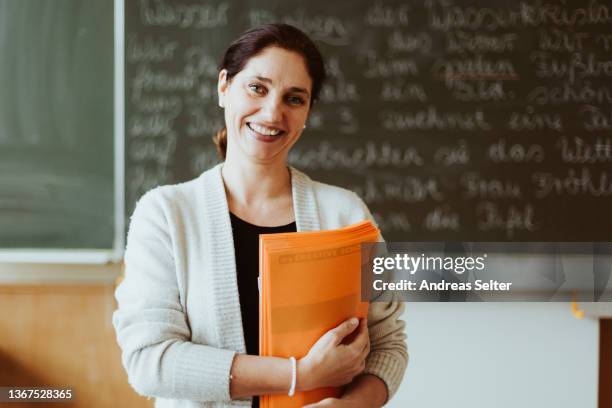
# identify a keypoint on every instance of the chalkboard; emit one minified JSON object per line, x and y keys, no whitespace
{"x":453,"y":119}
{"x":57,"y":156}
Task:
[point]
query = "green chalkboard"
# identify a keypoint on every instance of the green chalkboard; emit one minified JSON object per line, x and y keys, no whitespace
{"x":56,"y":124}
{"x":453,"y":119}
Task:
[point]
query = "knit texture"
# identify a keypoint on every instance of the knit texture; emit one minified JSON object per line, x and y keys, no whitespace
{"x":178,"y":321}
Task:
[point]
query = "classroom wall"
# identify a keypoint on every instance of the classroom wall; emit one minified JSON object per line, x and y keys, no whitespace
{"x":461,"y":354}
{"x":502,"y":355}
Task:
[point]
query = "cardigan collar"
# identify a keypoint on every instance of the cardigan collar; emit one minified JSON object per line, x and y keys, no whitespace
{"x":305,"y":206}
{"x":304,"y":202}
{"x":220,"y":253}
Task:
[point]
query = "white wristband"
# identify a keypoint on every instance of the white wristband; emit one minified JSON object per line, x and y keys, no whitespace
{"x":293,"y":376}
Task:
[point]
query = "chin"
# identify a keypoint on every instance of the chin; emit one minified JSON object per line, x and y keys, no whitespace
{"x":262,"y":157}
{"x":267,"y":150}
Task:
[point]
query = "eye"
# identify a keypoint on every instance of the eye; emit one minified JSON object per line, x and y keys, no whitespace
{"x":257,"y":88}
{"x":296,"y":100}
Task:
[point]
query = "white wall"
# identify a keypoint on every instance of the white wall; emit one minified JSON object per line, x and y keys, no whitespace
{"x":499,"y":355}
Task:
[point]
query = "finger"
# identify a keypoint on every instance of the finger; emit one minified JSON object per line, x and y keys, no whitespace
{"x":365,"y":352}
{"x":362,"y":367}
{"x":344,"y":329}
{"x":359,"y":339}
{"x":362,"y":336}
{"x":323,"y":403}
{"x":366,"y":346}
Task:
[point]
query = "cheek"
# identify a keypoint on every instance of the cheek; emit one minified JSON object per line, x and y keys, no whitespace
{"x":299,"y":116}
{"x":237,"y":115}
{"x":249,"y":107}
{"x":241,"y":105}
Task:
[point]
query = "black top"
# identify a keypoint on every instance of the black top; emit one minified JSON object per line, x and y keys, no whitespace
{"x":246,"y":248}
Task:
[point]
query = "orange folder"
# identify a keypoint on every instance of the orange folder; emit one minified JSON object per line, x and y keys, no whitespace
{"x":309,"y":283}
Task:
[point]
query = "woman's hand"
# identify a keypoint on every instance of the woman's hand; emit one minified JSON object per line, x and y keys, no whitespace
{"x":338,"y":403}
{"x":330,"y":362}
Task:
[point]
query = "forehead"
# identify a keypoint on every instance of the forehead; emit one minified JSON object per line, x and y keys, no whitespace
{"x":287,"y":68}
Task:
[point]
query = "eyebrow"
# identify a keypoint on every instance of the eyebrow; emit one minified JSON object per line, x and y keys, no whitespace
{"x":292,"y":89}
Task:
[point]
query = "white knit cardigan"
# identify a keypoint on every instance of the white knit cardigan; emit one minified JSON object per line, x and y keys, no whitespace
{"x":178,"y":320}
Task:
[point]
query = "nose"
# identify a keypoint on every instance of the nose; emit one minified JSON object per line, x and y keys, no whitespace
{"x":272,"y":109}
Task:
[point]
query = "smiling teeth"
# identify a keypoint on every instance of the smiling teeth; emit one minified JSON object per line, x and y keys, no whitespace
{"x":264,"y":130}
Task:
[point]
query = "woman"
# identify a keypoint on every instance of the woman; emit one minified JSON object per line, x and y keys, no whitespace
{"x":189,"y":298}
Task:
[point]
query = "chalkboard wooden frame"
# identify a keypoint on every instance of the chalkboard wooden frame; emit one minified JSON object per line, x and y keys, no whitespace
{"x":95,"y":256}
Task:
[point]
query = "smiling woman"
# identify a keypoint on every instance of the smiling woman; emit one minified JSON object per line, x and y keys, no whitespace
{"x":268,"y":101}
{"x":295,"y":73}
{"x":188,"y":312}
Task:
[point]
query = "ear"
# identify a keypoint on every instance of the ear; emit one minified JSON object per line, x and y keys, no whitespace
{"x":222,"y":85}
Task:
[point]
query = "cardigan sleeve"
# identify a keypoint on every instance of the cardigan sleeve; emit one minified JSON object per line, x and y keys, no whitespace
{"x":388,"y":356}
{"x":151,"y":325}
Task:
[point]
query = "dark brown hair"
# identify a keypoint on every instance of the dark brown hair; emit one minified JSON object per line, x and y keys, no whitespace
{"x":255,"y":40}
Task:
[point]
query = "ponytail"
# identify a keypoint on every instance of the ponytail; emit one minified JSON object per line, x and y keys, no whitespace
{"x":220,"y":141}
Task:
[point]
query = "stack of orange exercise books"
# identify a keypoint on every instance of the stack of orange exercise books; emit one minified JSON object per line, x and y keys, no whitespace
{"x":309,"y":283}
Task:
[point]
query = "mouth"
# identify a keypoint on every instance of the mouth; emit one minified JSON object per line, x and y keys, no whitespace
{"x":265,"y":133}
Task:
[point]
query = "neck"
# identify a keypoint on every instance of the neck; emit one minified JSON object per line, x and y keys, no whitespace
{"x":248,"y":183}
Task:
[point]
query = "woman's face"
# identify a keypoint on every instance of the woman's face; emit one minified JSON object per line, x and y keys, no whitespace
{"x":266,"y":105}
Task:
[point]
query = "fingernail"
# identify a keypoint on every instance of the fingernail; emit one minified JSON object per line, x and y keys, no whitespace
{"x":354,"y":321}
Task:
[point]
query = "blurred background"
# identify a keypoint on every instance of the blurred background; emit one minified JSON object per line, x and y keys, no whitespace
{"x":454,"y":121}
